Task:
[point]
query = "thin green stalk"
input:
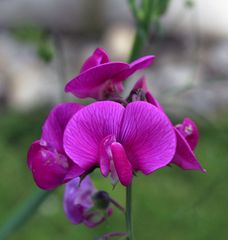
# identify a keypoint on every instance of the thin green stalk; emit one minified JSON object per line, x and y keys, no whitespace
{"x":134,"y":9}
{"x":143,"y":22}
{"x":137,"y":44}
{"x":128,"y":212}
{"x":117,"y":205}
{"x":23,"y":213}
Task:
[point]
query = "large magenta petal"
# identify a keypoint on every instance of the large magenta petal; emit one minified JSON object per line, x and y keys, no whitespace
{"x":147,"y":136}
{"x":89,"y":83}
{"x":122,"y":165}
{"x":189,"y":131}
{"x":54,"y":126}
{"x":138,"y":64}
{"x":184,"y":156}
{"x":86,"y":130}
{"x":99,"y":56}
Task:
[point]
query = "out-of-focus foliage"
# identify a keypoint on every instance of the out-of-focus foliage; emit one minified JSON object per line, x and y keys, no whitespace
{"x":159,"y":7}
{"x":189,"y":3}
{"x":37,"y":36}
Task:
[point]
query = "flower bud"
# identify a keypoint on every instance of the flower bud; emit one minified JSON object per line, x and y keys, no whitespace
{"x":101,"y":199}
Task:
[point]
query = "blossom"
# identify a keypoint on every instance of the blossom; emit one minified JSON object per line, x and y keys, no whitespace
{"x":78,"y":203}
{"x":101,"y":78}
{"x":47,"y":159}
{"x":187,"y":138}
{"x":187,"y":133}
{"x":120,"y":140}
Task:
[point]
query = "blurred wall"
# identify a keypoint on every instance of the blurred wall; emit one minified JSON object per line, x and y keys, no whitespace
{"x":191,"y":57}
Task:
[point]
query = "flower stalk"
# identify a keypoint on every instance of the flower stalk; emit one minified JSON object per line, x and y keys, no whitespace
{"x":128,"y":213}
{"x":117,"y":205}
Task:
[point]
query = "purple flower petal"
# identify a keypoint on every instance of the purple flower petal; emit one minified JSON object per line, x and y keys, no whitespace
{"x":90,"y":83}
{"x":46,"y":157}
{"x":122,"y":165}
{"x":86,"y":130}
{"x":96,"y":217}
{"x":73,"y":172}
{"x":184,"y":156}
{"x":53,"y":128}
{"x":98,"y":57}
{"x":138,"y":64}
{"x":147,"y":136}
{"x":189,"y":131}
{"x":141,"y":84}
{"x":49,"y":168}
{"x":34,"y":148}
{"x":78,"y":198}
{"x":105,"y":154}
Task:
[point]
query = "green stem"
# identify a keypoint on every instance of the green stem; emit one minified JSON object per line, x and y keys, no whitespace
{"x":128,"y":213}
{"x":117,"y":205}
{"x":134,"y":9}
{"x":137,"y":44}
{"x":23,"y":213}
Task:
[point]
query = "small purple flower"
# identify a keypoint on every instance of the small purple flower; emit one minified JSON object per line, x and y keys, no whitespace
{"x":120,"y":140}
{"x":79,"y":206}
{"x":47,"y":160}
{"x":187,"y":138}
{"x":101,"y":78}
{"x":187,"y":133}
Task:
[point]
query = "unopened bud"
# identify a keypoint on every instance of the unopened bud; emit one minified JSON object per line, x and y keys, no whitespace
{"x":101,"y":199}
{"x":137,"y":95}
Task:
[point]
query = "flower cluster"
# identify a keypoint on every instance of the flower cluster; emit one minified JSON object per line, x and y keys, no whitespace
{"x":119,"y":136}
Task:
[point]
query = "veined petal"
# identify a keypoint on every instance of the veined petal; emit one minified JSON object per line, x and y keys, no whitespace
{"x":99,"y":56}
{"x":184,"y":156}
{"x":189,"y":131}
{"x":87,"y":83}
{"x":136,"y":65}
{"x":147,"y":136}
{"x":53,"y":128}
{"x":86,"y":130}
{"x":122,"y":165}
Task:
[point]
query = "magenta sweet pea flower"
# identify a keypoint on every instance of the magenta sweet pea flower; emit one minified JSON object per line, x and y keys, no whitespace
{"x":79,"y":206}
{"x":187,"y":133}
{"x":120,"y":140}
{"x":47,"y":160}
{"x":101,"y":78}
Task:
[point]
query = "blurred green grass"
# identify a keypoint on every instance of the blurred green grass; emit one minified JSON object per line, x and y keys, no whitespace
{"x":170,"y":204}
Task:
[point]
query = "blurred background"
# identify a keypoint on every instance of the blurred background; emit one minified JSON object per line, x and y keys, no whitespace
{"x":43,"y":44}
